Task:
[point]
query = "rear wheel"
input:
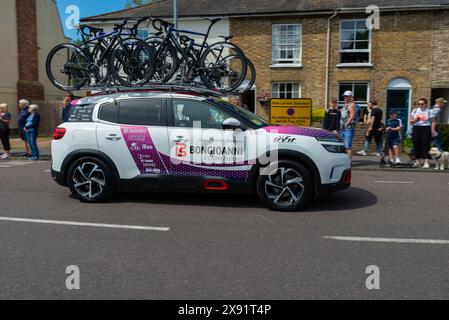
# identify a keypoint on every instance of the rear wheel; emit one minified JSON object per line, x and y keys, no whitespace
{"x":287,"y":186}
{"x":90,"y":180}
{"x":67,"y":67}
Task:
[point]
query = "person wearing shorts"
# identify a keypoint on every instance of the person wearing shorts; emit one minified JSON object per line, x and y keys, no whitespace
{"x":347,"y":121}
{"x":394,"y":128}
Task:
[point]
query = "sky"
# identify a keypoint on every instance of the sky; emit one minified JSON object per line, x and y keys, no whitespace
{"x":86,"y":8}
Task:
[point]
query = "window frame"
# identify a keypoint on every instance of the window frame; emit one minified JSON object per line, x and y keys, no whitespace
{"x":286,"y":82}
{"x":341,"y":50}
{"x":294,"y":62}
{"x":353,"y":84}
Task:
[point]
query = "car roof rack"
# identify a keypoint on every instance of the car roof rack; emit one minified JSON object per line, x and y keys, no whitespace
{"x":169,"y":87}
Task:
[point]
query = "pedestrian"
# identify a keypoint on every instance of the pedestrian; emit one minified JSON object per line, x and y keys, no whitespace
{"x":21,"y":121}
{"x":32,"y":131}
{"x":347,"y":121}
{"x":424,"y":125}
{"x":66,"y":106}
{"x":440,"y":103}
{"x":5,"y":119}
{"x":374,"y":130}
{"x":393,"y":130}
{"x":332,"y":117}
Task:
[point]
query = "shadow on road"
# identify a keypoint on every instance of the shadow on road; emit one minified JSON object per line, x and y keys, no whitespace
{"x":351,"y":199}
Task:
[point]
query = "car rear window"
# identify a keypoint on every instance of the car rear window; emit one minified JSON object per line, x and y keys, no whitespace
{"x":81,"y":113}
{"x":134,"y":112}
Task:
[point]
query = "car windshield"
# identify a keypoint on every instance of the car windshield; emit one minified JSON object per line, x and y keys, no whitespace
{"x":251,"y":117}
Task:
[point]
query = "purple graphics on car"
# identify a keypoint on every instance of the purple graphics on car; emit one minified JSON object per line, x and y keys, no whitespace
{"x":143,"y":151}
{"x":300,"y":131}
{"x":150,"y":161}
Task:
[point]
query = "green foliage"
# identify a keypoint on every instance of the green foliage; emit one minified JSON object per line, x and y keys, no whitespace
{"x":136,"y":3}
{"x":444,"y":132}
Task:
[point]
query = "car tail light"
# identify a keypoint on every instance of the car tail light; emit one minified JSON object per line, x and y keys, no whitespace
{"x":59,"y":133}
{"x":348,"y":178}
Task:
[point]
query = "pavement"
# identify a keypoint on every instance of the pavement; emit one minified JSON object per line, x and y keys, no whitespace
{"x":17,"y":148}
{"x":156,"y":246}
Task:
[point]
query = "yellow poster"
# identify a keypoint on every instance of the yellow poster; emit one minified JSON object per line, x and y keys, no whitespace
{"x":297,"y":112}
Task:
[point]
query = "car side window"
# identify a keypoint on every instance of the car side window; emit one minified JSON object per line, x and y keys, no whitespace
{"x":141,"y":112}
{"x":188,"y":112}
{"x":109,"y":113}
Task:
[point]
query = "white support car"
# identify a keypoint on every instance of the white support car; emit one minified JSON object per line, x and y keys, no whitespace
{"x":188,"y":142}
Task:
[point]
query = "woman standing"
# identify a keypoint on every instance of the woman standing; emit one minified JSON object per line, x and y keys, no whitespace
{"x":32,"y":131}
{"x":5,"y":119}
{"x":347,"y":121}
{"x":423,"y":123}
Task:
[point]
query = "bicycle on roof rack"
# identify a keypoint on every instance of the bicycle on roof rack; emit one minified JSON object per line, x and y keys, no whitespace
{"x":102,"y":58}
{"x":105,"y":60}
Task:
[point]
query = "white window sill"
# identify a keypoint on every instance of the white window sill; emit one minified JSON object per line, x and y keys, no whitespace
{"x":355,"y":65}
{"x":287,"y":65}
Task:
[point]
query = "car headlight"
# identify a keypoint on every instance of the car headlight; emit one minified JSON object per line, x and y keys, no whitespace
{"x":334,"y":139}
{"x":334,"y":148}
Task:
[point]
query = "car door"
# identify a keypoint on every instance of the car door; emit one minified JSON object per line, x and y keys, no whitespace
{"x":133,"y":133}
{"x":201,"y":150}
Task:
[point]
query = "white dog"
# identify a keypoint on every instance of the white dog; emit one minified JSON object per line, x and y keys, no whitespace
{"x":441,"y":158}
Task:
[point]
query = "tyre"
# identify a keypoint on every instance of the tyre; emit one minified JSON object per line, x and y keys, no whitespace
{"x":132,"y":62}
{"x":66,"y":67}
{"x":250,"y":79}
{"x":223,"y":67}
{"x":166,"y":60}
{"x":287,"y":186}
{"x":90,"y":180}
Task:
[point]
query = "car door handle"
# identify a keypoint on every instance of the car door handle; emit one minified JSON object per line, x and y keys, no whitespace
{"x":180,"y":139}
{"x":113,"y":138}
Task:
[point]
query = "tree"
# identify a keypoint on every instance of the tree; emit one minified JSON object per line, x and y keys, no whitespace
{"x":136,"y":3}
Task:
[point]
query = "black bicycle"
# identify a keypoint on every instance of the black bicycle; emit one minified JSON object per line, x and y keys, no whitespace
{"x":221,"y":66}
{"x":104,"y":57}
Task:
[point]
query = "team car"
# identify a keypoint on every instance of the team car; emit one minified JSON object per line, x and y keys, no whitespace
{"x":192,"y":142}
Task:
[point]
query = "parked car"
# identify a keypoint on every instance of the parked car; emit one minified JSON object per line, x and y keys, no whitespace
{"x":190,"y":142}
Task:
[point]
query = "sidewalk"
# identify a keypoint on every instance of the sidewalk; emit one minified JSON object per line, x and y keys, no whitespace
{"x":372,"y":163}
{"x":44,"y":143}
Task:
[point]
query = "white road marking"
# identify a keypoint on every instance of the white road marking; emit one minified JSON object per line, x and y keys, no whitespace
{"x":86,"y":224}
{"x":3,"y":166}
{"x":395,"y":182}
{"x":47,"y":171}
{"x":388,"y":240}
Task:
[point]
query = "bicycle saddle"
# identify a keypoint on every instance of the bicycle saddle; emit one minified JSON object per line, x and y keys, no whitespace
{"x":227,"y":38}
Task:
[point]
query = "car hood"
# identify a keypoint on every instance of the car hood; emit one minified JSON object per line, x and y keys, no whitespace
{"x":300,"y":131}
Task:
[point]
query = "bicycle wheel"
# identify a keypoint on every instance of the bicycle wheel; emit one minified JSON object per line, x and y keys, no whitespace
{"x":66,"y":67}
{"x":132,"y":62}
{"x":250,"y":79}
{"x":166,"y":59}
{"x":223,"y":67}
{"x":98,"y":71}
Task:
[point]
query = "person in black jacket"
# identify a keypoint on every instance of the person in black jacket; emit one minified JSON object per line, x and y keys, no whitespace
{"x":332,"y":117}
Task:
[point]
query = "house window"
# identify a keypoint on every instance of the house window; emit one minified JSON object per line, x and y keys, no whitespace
{"x":286,"y":90}
{"x":142,"y":34}
{"x":286,"y":44}
{"x":355,"y":42}
{"x":360,"y":90}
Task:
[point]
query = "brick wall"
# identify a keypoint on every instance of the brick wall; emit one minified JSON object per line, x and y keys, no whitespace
{"x":28,"y":85}
{"x":440,"y":72}
{"x":401,"y":48}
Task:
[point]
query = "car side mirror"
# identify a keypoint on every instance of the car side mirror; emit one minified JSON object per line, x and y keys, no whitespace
{"x":232,"y":124}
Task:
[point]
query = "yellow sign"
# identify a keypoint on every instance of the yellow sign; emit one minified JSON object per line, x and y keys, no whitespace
{"x":297,"y":112}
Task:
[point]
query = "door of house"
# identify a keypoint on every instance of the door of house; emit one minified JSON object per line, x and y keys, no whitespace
{"x":399,"y":101}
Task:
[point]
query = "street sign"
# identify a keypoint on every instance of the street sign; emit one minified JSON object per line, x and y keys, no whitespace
{"x":297,"y":112}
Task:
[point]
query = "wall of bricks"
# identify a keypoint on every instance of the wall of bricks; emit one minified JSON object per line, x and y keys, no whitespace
{"x":440,"y":50}
{"x":28,"y":84}
{"x":401,"y":48}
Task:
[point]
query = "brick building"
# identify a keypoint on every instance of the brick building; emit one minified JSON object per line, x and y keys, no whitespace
{"x":318,"y":49}
{"x":29,"y":29}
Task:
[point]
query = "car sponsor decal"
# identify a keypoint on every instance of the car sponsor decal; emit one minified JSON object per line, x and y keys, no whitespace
{"x":300,"y":131}
{"x":143,"y":151}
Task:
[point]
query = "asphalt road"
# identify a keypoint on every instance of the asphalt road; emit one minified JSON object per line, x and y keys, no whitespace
{"x":225,"y":247}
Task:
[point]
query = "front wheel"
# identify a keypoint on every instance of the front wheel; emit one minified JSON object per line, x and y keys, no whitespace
{"x":286,"y":186}
{"x":90,"y":180}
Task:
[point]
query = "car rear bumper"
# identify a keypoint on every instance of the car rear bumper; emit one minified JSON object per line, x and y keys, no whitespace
{"x":58,"y":177}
